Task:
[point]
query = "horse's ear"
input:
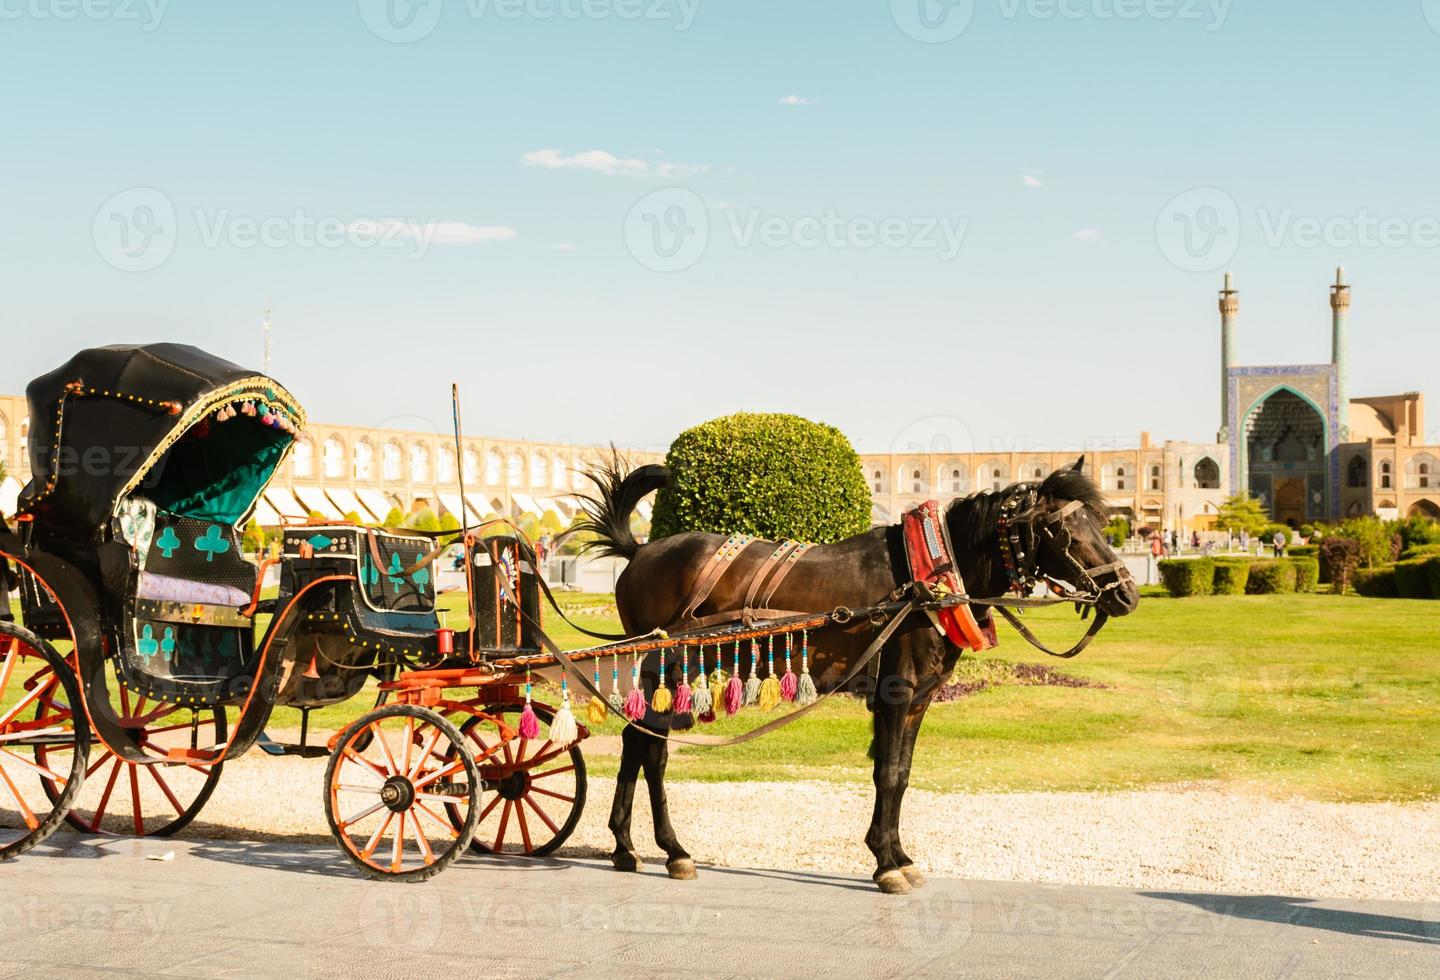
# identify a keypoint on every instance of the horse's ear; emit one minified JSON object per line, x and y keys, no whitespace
{"x":1079,"y":466}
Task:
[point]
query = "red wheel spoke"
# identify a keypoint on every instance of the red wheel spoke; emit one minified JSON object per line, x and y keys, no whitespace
{"x":25,"y":811}
{"x":542,"y":814}
{"x":559,"y":796}
{"x":27,"y":764}
{"x":409,"y":743}
{"x":494,"y":802}
{"x":453,"y":767}
{"x":425,"y":851}
{"x":552,"y":772}
{"x":500,"y":834}
{"x":360,"y":816}
{"x":385,"y":748}
{"x":425,"y":755}
{"x":12,"y":657}
{"x":379,"y":832}
{"x":365,"y":763}
{"x":397,"y":852}
{"x":135,"y":802}
{"x":165,"y":788}
{"x":524,"y":827}
{"x":105,"y":796}
{"x":441,"y":821}
{"x":105,"y":755}
{"x":540,"y":760}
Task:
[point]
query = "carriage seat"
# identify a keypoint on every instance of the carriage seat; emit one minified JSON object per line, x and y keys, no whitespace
{"x":183,"y":559}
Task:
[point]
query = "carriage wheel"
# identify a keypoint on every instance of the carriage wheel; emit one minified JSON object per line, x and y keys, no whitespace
{"x":537,"y":787}
{"x":31,"y":672}
{"x":151,"y":800}
{"x":386,"y":802}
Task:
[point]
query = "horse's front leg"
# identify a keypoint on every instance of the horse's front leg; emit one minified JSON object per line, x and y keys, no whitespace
{"x":885,"y":749}
{"x":624,"y":857}
{"x":913,"y":719}
{"x":656,"y":754}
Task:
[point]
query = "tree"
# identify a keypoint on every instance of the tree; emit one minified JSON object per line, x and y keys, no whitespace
{"x":253,"y":542}
{"x":395,"y":518}
{"x":772,"y":476}
{"x":425,"y":520}
{"x":353,"y":518}
{"x":449,"y":523}
{"x":1117,"y":532}
{"x":1242,"y":512}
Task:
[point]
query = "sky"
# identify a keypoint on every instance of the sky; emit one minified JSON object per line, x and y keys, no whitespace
{"x":974,"y":224}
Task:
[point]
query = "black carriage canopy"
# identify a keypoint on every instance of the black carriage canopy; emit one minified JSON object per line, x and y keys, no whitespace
{"x":196,"y":435}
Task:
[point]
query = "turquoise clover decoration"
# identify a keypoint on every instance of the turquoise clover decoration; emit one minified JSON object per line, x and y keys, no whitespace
{"x":147,"y":644}
{"x":369,"y":574}
{"x":169,"y":542}
{"x":167,"y":644}
{"x":212,"y":543}
{"x":394,"y":571}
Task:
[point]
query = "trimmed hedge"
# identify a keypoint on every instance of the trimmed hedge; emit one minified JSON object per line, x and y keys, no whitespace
{"x":1307,"y":573}
{"x":1271,"y":578}
{"x":772,"y":476}
{"x":1186,"y":577}
{"x":1376,"y":583}
{"x":1304,"y":551}
{"x":1420,"y":551}
{"x":1432,"y":569}
{"x":1230,"y":577}
{"x":1412,"y":579}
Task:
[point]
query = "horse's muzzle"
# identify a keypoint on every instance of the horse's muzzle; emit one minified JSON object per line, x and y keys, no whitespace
{"x":1123,"y":597}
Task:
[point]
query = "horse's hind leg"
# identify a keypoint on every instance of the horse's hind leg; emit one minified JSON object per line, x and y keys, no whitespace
{"x":624,"y":857}
{"x":881,"y":837}
{"x":656,"y":755}
{"x":912,"y":724}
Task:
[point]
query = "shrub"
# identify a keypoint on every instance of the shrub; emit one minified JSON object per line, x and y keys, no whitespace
{"x":449,"y":522}
{"x":1307,"y":573}
{"x":1432,"y":570}
{"x":773,"y":476}
{"x":395,"y":518}
{"x":1412,"y":579}
{"x":424,"y":521}
{"x":1231,"y":576}
{"x":1416,"y":531}
{"x":1377,"y":583}
{"x":1241,"y":513}
{"x":1420,"y":551}
{"x":1188,"y":576}
{"x":1338,"y":559}
{"x":1305,"y":551}
{"x":1271,"y":578}
{"x":1372,"y":535}
{"x":1117,"y":532}
{"x":253,"y":541}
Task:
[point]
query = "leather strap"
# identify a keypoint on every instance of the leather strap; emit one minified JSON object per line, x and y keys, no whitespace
{"x":791,"y":560}
{"x":766,"y":567}
{"x":1095,"y":626}
{"x":715,"y":569}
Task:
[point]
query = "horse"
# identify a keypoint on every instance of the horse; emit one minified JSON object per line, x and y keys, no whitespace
{"x":1057,"y":524}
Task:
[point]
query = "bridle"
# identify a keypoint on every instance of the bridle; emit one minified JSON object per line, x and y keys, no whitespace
{"x":1020,"y":541}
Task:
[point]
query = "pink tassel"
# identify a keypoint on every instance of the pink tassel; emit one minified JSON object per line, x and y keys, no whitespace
{"x":734,"y":696}
{"x":789,"y":684}
{"x":635,"y":704}
{"x":529,"y":724}
{"x":681,"y":704}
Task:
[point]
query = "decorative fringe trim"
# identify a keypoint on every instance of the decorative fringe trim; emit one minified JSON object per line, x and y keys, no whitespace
{"x":616,"y":702}
{"x":702,"y":703}
{"x":529,"y":724}
{"x":682,"y":705}
{"x":717,"y":690}
{"x":752,"y":690}
{"x":635,"y":704}
{"x":563,"y":730}
{"x":769,"y":694}
{"x":806,"y":693}
{"x":596,"y":711}
{"x":734,"y":696}
{"x":662,"y":699}
{"x":789,"y":684}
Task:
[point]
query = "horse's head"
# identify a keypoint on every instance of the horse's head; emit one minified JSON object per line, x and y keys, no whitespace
{"x":1055,"y":531}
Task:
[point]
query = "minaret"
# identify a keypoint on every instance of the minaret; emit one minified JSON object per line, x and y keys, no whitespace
{"x":1339,"y":347}
{"x":1229,"y":311}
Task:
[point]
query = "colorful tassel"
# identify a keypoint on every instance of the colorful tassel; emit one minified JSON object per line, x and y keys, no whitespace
{"x":733,"y":696}
{"x":702,"y":704}
{"x":770,"y":687}
{"x":563,"y":729}
{"x":529,"y":724}
{"x":663,"y":698}
{"x":682,"y":705}
{"x":596,"y":711}
{"x":806,"y":693}
{"x":752,"y":683}
{"x":635,"y":700}
{"x":789,"y":684}
{"x":616,"y":699}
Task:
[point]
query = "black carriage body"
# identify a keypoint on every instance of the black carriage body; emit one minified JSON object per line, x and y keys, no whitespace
{"x":500,"y":627}
{"x":384,"y":616}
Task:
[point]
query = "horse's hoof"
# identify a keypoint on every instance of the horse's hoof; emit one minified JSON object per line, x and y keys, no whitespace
{"x":913,"y":875}
{"x":681,"y":869}
{"x":892,"y":882}
{"x":625,"y":861}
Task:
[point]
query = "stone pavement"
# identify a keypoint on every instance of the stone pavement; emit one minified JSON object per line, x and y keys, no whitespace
{"x":84,"y":907}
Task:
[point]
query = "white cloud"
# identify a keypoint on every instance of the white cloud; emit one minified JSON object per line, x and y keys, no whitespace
{"x":603,"y":162}
{"x":1089,"y":235}
{"x":1031,"y":178}
{"x":563,"y":247}
{"x":433,"y":232}
{"x":798,"y":100}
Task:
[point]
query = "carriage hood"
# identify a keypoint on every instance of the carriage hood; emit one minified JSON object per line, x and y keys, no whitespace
{"x":157,"y":419}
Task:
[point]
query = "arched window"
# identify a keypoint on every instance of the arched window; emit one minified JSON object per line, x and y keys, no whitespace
{"x":470,"y":466}
{"x":1207,"y":474}
{"x":1357,"y":473}
{"x":364,"y":461}
{"x":1119,"y":478}
{"x":878,"y":479}
{"x":1424,"y":476}
{"x":494,"y":466}
{"x":539,"y":470}
{"x":333,"y":458}
{"x":515,"y":469}
{"x":392,"y":461}
{"x":1420,"y":471}
{"x":917,"y":481}
{"x":445,"y":465}
{"x":1385,"y":475}
{"x":304,"y":459}
{"x":23,"y":430}
{"x":419,"y":463}
{"x":1154,"y":477}
{"x":953,"y":477}
{"x":993,"y":473}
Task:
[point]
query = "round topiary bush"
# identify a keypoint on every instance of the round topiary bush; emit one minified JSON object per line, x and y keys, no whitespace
{"x":773,"y":476}
{"x":1377,"y":583}
{"x":1231,"y":576}
{"x":1186,"y":577}
{"x":1304,"y":551}
{"x":1412,"y":579}
{"x":1271,"y":578}
{"x":1307,"y":573}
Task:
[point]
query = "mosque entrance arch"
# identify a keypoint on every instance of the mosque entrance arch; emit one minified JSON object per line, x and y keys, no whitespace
{"x":1286,"y":456}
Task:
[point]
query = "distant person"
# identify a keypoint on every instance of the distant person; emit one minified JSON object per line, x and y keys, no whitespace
{"x":1195,"y":540}
{"x":1280,"y":540}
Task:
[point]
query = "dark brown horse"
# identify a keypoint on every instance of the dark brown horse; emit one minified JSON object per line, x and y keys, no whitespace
{"x":856,"y":572}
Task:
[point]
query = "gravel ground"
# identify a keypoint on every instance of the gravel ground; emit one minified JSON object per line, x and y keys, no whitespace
{"x":1191,"y":838}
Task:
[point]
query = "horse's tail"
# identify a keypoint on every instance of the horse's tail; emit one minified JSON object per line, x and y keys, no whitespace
{"x":617,"y":494}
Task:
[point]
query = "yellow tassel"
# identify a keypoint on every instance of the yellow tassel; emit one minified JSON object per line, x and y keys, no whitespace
{"x":769,"y":693}
{"x":717,"y":689}
{"x":661,"y":701}
{"x":596,"y":711}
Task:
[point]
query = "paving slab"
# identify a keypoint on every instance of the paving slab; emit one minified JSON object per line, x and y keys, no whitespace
{"x":86,"y":906}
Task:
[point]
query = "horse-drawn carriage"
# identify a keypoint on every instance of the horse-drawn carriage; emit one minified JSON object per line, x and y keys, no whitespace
{"x":145,"y":656}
